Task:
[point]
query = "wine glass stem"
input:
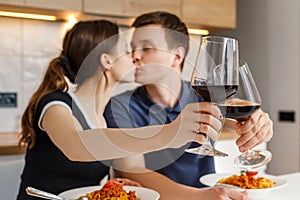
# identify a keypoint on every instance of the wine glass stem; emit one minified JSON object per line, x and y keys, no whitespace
{"x":207,"y":141}
{"x":250,"y":152}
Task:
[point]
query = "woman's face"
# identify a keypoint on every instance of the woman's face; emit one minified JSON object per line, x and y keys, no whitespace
{"x":122,"y":67}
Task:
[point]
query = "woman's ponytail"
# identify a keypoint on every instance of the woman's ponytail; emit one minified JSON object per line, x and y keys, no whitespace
{"x":77,"y":44}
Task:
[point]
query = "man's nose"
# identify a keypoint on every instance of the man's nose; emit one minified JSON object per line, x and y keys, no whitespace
{"x":136,"y":56}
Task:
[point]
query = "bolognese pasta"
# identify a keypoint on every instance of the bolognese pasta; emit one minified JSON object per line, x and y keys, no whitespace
{"x":248,"y":180}
{"x":112,"y":190}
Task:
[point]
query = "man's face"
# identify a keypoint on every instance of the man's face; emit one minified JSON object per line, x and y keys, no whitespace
{"x":151,"y":55}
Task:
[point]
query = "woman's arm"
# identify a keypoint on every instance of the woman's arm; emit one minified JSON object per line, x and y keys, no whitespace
{"x":101,"y":144}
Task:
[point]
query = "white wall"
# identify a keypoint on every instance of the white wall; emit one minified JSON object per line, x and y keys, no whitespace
{"x":269,"y":36}
{"x":26,"y":47}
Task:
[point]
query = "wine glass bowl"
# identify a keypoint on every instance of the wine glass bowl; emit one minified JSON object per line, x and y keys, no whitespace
{"x":215,"y":78}
{"x":240,"y":107}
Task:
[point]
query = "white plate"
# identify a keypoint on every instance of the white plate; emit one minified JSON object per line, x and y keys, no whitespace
{"x":212,"y":179}
{"x":141,"y":192}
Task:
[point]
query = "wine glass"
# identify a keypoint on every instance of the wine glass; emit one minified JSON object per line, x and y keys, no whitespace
{"x":245,"y":102}
{"x":215,"y":78}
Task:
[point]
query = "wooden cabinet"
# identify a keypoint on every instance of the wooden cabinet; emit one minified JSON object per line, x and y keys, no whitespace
{"x":210,"y":13}
{"x":12,"y":2}
{"x":74,"y":5}
{"x":130,"y":8}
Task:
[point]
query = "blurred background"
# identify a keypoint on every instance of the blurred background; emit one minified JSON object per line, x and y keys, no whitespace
{"x":268,"y":32}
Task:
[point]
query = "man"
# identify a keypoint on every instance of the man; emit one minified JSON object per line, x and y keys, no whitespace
{"x":160,"y":44}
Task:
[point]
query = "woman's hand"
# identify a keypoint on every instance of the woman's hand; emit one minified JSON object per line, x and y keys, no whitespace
{"x":256,"y":130}
{"x":201,"y":117}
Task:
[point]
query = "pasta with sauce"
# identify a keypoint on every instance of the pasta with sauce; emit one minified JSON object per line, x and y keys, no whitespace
{"x":247,"y":180}
{"x":112,"y":190}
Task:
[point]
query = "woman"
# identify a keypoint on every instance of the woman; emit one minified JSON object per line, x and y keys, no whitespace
{"x":65,"y":131}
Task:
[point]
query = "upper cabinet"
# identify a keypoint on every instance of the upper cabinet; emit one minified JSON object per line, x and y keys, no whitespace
{"x":74,"y":5}
{"x":215,"y":14}
{"x":209,"y":14}
{"x":130,"y":8}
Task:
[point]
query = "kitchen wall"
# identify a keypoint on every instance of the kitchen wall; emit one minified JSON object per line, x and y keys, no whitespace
{"x":27,"y":46}
{"x":269,"y":37}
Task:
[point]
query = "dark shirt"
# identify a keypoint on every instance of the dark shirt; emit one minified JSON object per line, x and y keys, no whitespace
{"x":47,"y":168}
{"x":136,"y":109}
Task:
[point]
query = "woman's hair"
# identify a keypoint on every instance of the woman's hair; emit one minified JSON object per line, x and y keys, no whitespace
{"x":77,"y":44}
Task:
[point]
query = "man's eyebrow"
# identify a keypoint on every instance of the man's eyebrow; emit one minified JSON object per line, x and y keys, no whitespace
{"x":145,"y":41}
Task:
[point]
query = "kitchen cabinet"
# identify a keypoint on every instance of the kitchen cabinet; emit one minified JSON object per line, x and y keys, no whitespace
{"x":216,"y":14}
{"x":74,"y":5}
{"x":209,"y":14}
{"x":130,"y":8}
{"x":11,"y":167}
{"x":12,"y":2}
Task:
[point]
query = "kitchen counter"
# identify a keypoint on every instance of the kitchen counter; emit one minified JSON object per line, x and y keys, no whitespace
{"x":12,"y":150}
{"x":9,"y":144}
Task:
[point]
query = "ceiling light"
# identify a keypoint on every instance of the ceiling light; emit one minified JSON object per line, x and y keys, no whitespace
{"x":28,"y":16}
{"x":70,"y":22}
{"x":198,"y":31}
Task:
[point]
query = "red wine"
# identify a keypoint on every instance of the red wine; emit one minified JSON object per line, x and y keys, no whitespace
{"x":215,"y":93}
{"x":238,"y":112}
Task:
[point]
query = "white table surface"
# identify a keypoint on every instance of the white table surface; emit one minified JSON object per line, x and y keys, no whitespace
{"x":290,"y":192}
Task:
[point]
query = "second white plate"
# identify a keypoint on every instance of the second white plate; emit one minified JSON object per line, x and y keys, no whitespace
{"x":212,"y":179}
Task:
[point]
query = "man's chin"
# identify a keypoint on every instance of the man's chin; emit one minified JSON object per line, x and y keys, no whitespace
{"x":137,"y":78}
{"x":138,"y":81}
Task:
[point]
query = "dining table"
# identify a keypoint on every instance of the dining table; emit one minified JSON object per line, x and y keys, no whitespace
{"x":291,"y":191}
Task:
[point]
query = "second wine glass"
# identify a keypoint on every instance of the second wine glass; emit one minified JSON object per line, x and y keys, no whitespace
{"x":240,"y":107}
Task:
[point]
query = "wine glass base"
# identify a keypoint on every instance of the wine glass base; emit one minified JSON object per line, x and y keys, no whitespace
{"x":206,"y":150}
{"x":253,"y":159}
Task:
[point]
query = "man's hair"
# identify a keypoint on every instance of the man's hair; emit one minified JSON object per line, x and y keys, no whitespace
{"x":176,"y":30}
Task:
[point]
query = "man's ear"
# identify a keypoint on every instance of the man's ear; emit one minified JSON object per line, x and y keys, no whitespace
{"x":105,"y":61}
{"x":179,"y":55}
